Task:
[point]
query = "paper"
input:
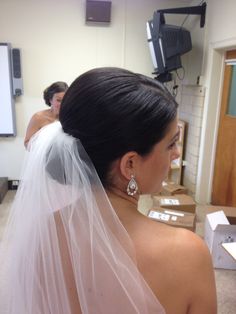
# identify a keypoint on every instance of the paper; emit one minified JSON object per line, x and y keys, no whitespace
{"x":230,"y":248}
{"x":169,"y":201}
{"x":158,"y":215}
{"x":174,"y":213}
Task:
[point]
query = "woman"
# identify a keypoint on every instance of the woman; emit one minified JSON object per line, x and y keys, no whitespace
{"x":84,"y":247}
{"x":52,"y":96}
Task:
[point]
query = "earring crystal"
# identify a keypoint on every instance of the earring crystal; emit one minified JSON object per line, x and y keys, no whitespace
{"x":132,"y":187}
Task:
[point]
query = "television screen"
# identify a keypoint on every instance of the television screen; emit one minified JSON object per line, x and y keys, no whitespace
{"x":166,"y":44}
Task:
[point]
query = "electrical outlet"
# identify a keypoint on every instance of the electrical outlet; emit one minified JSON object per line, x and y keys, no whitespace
{"x":13,"y":184}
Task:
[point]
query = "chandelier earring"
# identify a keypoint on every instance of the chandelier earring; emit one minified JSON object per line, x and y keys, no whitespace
{"x":132,"y":187}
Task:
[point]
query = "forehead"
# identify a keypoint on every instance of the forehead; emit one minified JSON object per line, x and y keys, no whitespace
{"x":172,"y":130}
{"x":59,"y":95}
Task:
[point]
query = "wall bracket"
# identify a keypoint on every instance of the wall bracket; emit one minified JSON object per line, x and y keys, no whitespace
{"x":195,"y":10}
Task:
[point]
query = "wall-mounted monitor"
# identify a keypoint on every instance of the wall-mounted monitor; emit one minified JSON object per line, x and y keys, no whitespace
{"x":166,"y":43}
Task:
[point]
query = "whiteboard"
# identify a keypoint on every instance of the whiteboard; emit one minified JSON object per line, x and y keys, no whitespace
{"x":7,"y":104}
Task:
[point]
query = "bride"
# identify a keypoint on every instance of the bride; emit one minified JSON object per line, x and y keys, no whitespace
{"x":75,"y":242}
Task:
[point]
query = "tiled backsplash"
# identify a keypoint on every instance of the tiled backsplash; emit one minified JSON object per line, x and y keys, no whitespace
{"x":191,"y":111}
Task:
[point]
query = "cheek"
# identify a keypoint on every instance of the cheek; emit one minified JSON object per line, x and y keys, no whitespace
{"x":164,"y":169}
{"x":56,"y":105}
{"x":160,"y":175}
{"x":153,"y":174}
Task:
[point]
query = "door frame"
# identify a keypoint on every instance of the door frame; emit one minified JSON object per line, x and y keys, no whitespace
{"x":212,"y":104}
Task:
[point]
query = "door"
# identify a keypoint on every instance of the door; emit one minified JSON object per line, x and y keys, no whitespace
{"x":224,"y":179}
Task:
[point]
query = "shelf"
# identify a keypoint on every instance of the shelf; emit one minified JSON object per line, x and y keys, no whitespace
{"x":174,"y":167}
{"x":175,"y":172}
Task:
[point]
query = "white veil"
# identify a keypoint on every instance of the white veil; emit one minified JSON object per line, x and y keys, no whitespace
{"x":64,"y":242}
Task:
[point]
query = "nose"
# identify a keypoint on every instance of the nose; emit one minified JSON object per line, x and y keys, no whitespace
{"x":175,"y":153}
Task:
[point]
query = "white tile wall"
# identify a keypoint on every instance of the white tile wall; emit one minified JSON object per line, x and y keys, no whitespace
{"x":191,"y":111}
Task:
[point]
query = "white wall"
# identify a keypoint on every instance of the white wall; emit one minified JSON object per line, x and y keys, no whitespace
{"x":191,"y":111}
{"x":220,"y":36}
{"x":56,"y":44}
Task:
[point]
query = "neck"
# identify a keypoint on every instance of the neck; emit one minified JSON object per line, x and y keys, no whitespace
{"x":121,"y":201}
{"x":54,"y":114}
{"x":117,"y":193}
{"x":125,"y":206}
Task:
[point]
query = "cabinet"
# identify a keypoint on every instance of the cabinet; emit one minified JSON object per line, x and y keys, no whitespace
{"x":176,"y":168}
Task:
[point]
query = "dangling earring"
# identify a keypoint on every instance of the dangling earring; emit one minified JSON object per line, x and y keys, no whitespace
{"x":132,"y":187}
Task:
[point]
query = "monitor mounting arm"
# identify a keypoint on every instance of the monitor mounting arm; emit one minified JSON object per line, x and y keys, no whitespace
{"x":195,"y":10}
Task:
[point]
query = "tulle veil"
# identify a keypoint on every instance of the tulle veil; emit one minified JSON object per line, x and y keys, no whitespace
{"x":62,"y":220}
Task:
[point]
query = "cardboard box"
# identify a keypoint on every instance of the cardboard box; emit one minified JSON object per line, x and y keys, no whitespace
{"x":219,"y":230}
{"x":180,"y":202}
{"x":174,"y":218}
{"x":172,"y":188}
{"x":230,"y":212}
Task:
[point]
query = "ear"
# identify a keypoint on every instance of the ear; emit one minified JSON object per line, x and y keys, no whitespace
{"x":128,"y":164}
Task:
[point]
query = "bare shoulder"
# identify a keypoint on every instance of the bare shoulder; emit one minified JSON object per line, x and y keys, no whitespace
{"x":177,"y":260}
{"x":181,"y":240}
{"x":195,"y":266}
{"x":190,"y":244}
{"x":184,"y":247}
{"x":37,"y":121}
{"x":40,"y":115}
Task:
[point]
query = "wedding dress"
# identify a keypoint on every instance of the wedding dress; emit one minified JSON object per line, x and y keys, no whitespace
{"x":61,"y":199}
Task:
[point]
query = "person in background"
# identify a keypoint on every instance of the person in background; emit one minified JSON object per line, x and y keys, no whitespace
{"x":53,"y":96}
{"x":76,"y":242}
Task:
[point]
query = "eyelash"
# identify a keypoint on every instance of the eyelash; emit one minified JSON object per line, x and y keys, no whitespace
{"x":172,"y":145}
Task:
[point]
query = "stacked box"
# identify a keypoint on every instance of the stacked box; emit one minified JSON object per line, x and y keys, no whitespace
{"x":180,"y":202}
{"x":173,"y":218}
{"x":171,"y":188}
